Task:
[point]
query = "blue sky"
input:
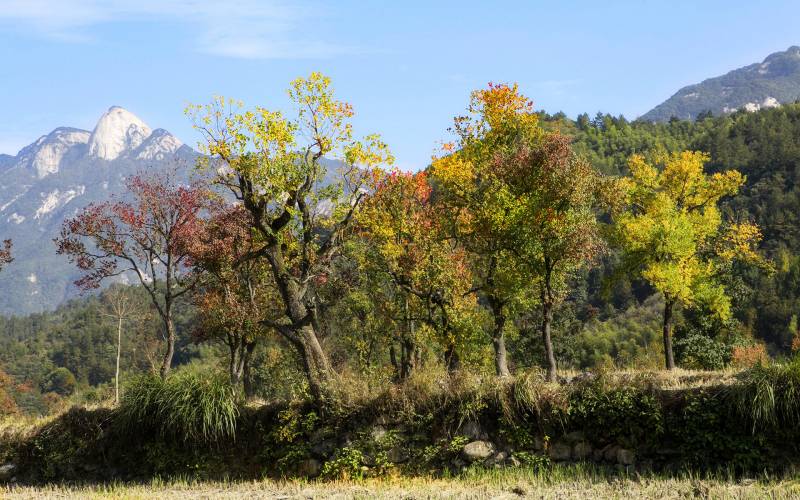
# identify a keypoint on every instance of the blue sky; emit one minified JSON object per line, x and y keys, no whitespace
{"x":407,"y":67}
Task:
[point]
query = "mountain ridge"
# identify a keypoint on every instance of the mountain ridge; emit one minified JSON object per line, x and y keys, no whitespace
{"x":770,"y":83}
{"x":56,"y":175}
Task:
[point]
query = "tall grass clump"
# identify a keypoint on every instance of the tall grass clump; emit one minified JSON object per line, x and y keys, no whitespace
{"x":188,"y":406}
{"x":768,"y":396}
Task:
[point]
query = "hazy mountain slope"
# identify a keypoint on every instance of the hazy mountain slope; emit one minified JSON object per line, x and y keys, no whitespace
{"x":762,"y":85}
{"x":54,"y":177}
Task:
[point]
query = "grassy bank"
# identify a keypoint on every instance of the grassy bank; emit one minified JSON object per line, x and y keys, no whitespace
{"x":742,"y":423}
{"x":563,"y":482}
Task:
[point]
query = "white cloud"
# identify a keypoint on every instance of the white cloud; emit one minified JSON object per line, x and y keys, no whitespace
{"x":253,"y":29}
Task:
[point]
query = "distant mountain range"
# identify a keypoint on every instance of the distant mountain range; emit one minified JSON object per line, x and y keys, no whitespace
{"x":52,"y":179}
{"x":773,"y":82}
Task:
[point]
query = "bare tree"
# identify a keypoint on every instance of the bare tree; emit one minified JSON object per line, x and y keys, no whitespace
{"x":119,"y":306}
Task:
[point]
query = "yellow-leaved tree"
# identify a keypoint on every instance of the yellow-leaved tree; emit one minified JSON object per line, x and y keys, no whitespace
{"x":276,"y":167}
{"x":672,"y":232}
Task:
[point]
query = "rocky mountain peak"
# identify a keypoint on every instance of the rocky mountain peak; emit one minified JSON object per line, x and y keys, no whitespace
{"x":56,"y":175}
{"x":117,"y":132}
{"x":44,"y":156}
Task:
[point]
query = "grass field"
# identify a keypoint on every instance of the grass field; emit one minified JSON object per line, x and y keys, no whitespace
{"x":562,"y":482}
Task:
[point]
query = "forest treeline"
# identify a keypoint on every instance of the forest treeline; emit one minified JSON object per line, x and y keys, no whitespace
{"x":531,"y":240}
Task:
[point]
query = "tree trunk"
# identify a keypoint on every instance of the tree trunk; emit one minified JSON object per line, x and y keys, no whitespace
{"x":317,"y":366}
{"x":547,"y":320}
{"x":407,"y":345}
{"x":500,"y":356}
{"x":395,"y":364}
{"x":498,"y":337}
{"x":247,"y":380}
{"x":302,"y":332}
{"x":233,"y":362}
{"x":407,"y":358}
{"x":451,"y":360}
{"x":166,"y":363}
{"x":119,"y":352}
{"x":669,"y":305}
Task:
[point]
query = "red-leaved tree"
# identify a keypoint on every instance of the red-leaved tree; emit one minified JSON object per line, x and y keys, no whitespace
{"x":148,"y":235}
{"x":235,"y":295}
{"x":5,"y":254}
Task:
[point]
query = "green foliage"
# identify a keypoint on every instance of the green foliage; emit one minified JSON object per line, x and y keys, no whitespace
{"x":65,"y":447}
{"x":189,"y":407}
{"x":292,"y":424}
{"x":532,"y":460}
{"x":61,"y":381}
{"x":627,"y":414}
{"x":79,"y":338}
{"x":699,"y":352}
{"x":630,"y":338}
{"x":769,"y":396}
{"x":708,"y":435}
{"x":442,"y":451}
{"x":347,"y":463}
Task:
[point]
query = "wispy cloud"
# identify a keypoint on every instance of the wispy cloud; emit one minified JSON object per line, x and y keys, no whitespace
{"x":253,"y":29}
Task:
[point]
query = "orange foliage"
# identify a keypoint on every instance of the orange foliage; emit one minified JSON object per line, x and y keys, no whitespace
{"x":747,"y":356}
{"x":7,"y":404}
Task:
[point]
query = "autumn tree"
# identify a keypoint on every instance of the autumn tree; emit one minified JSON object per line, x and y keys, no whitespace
{"x":481,"y":206}
{"x":556,"y":223}
{"x":672,"y":232}
{"x":276,"y":167}
{"x":5,"y":254}
{"x":146,"y":237}
{"x":235,"y":296}
{"x":407,"y":244}
{"x":8,"y":406}
{"x":524,"y":206}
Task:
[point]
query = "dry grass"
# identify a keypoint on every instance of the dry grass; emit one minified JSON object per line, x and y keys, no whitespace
{"x":17,"y":428}
{"x":676,"y":379}
{"x":566,"y":483}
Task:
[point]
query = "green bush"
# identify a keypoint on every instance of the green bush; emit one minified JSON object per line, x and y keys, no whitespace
{"x":700,"y":352}
{"x":189,"y":406}
{"x":61,"y":381}
{"x":629,"y":415}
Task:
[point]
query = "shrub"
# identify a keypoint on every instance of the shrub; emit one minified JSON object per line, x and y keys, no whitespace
{"x":61,"y":381}
{"x":769,"y":396}
{"x":700,"y":352}
{"x":626,"y":414}
{"x":750,"y":355}
{"x":348,"y":463}
{"x":188,"y":406}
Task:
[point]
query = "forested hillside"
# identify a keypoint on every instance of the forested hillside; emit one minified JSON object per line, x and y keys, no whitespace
{"x":765,"y":147}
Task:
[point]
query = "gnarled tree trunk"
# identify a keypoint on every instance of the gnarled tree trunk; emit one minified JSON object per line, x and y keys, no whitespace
{"x":315,"y":361}
{"x":300,"y":332}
